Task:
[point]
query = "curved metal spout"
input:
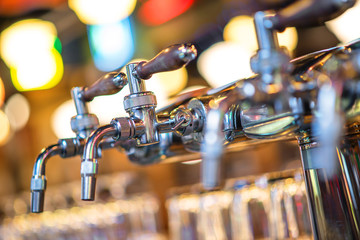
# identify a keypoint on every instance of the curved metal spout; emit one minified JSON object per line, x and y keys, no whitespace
{"x":38,"y":180}
{"x":212,"y":147}
{"x":89,"y":164}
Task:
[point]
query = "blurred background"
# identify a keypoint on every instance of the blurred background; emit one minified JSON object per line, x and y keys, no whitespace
{"x":49,"y":46}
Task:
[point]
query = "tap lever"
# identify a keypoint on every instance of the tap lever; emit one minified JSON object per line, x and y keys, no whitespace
{"x":171,"y":58}
{"x":307,"y":13}
{"x":108,"y":84}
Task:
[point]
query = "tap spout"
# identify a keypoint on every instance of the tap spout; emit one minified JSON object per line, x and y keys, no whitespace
{"x":38,"y":180}
{"x":89,"y":164}
{"x":212,"y":147}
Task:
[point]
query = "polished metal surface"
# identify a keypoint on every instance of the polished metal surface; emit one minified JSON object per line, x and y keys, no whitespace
{"x":333,"y":196}
{"x":311,"y":98}
{"x":136,"y":84}
{"x":266,"y":37}
{"x":89,"y":164}
{"x":38,"y":180}
{"x":80,"y":105}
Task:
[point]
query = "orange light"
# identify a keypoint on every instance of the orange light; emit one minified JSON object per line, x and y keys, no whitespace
{"x":156,"y":12}
{"x":2,"y":92}
{"x":5,"y":128}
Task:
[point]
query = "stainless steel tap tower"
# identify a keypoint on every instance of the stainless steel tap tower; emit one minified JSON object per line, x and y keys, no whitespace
{"x":314,"y":98}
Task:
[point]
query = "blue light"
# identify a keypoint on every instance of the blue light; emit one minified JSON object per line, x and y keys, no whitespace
{"x":111,"y":45}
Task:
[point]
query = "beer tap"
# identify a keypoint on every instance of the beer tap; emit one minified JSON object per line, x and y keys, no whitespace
{"x":82,"y":125}
{"x":274,"y":110}
{"x":143,"y":125}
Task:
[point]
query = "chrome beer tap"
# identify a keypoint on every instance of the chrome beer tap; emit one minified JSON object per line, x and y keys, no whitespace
{"x":82,"y":125}
{"x":267,"y":95}
{"x":143,"y":125}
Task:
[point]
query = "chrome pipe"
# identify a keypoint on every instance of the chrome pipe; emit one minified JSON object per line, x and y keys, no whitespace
{"x":266,"y":36}
{"x":38,"y":180}
{"x":333,"y":197}
{"x":213,"y":145}
{"x":80,"y":104}
{"x":89,"y":164}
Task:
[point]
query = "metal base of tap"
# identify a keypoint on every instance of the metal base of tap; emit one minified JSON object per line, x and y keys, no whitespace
{"x":334,"y":197}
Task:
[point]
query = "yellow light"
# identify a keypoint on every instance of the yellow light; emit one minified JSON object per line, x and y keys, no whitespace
{"x":241,"y":29}
{"x":224,"y":62}
{"x":2,"y":92}
{"x":172,"y":82}
{"x":60,"y":120}
{"x":17,"y":109}
{"x":345,"y":26}
{"x":5,"y":128}
{"x":99,"y":12}
{"x":26,"y":38}
{"x":43,"y":70}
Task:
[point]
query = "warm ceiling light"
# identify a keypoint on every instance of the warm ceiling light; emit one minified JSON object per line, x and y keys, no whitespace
{"x":17,"y":109}
{"x":43,"y":70}
{"x":344,"y":26}
{"x":156,"y":12}
{"x":93,"y":12}
{"x":224,"y":62}
{"x":26,"y":38}
{"x":241,"y":29}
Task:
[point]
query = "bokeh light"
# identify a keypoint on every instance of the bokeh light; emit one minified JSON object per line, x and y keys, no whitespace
{"x":43,"y":71}
{"x":172,"y":82}
{"x":60,"y":120}
{"x":109,"y":107}
{"x":5,"y":128}
{"x":241,"y":29}
{"x":345,"y":26}
{"x":101,"y":12}
{"x":111,"y":45}
{"x":26,"y":38}
{"x":156,"y":12}
{"x":2,"y":92}
{"x":17,"y":108}
{"x":31,"y":48}
{"x":225,"y":62}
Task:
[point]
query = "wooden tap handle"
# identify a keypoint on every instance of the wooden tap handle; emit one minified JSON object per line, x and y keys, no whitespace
{"x":171,"y":58}
{"x":108,"y":84}
{"x":309,"y":13}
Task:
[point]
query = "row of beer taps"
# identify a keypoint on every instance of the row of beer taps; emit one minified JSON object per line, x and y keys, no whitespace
{"x":282,"y":99}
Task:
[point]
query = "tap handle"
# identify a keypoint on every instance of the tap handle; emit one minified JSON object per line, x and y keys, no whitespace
{"x":171,"y":58}
{"x":308,"y":13}
{"x":108,"y":84}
